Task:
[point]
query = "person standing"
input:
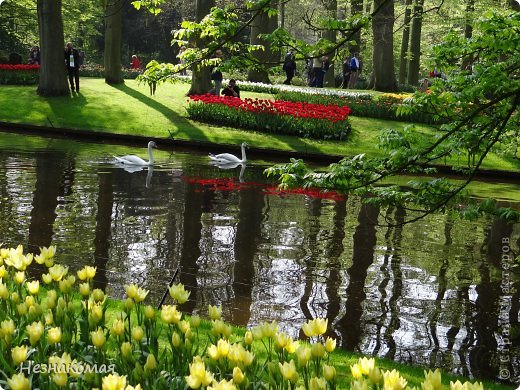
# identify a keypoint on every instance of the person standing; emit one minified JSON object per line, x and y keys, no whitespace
{"x":72,"y":61}
{"x":34,"y":56}
{"x":354,"y":71}
{"x":289,"y":66}
{"x":318,"y":69}
{"x":346,"y":72}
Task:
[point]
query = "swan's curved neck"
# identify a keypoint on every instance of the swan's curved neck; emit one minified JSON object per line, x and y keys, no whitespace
{"x":243,"y":153}
{"x":150,"y":155}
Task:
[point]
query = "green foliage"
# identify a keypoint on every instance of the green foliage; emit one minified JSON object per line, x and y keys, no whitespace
{"x":478,"y":109}
{"x":19,"y":78}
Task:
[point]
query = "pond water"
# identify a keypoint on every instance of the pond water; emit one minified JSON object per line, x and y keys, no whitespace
{"x":439,"y":292}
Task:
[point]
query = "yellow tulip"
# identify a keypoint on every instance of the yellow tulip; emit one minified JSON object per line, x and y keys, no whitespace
{"x":149,"y":312}
{"x":317,"y":384}
{"x":222,"y":385}
{"x":330,"y":344}
{"x":315,"y":327}
{"x":4,"y":292}
{"x":33,"y":287}
{"x":87,"y":273}
{"x":288,"y":371}
{"x":126,"y":349}
{"x":355,"y":369}
{"x":176,"y":340}
{"x":47,"y":278}
{"x":113,"y":382}
{"x":58,"y":272}
{"x":433,"y":378}
{"x":317,"y":351}
{"x":98,"y":338}
{"x":19,"y":382}
{"x":303,"y":353}
{"x":151,"y":363}
{"x":22,"y":309}
{"x":84,"y":289}
{"x":60,"y":378}
{"x":19,"y":355}
{"x":393,"y":380}
{"x":184,"y":326}
{"x":54,"y":335}
{"x":98,"y":295}
{"x":118,"y":327}
{"x":198,"y":375}
{"x":137,"y":333}
{"x":375,"y":376}
{"x":248,"y":338}
{"x":3,"y":272}
{"x":170,"y":314}
{"x":178,"y":293}
{"x":329,"y":372}
{"x":238,"y":375}
{"x":195,"y":321}
{"x":35,"y":331}
{"x":7,"y":327}
{"x":215,"y":312}
{"x":366,"y":365}
{"x":19,"y":277}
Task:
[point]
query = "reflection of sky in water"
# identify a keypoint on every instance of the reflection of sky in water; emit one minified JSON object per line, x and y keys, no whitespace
{"x":413,"y":297}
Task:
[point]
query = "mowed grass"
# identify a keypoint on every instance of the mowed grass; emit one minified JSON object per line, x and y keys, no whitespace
{"x":129,"y":109}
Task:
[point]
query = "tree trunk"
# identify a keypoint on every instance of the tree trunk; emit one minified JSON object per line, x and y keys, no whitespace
{"x":415,"y":44}
{"x":332,"y":11}
{"x":113,"y":26}
{"x":263,"y":24}
{"x":53,"y":80}
{"x":356,"y":7}
{"x":404,"y":44}
{"x":201,"y":75}
{"x":383,"y":76}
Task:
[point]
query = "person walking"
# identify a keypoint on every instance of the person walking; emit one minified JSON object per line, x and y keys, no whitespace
{"x":289,"y":66}
{"x":346,"y":72}
{"x":72,"y":61}
{"x":318,"y":69}
{"x":354,"y":71}
{"x":34,"y":56}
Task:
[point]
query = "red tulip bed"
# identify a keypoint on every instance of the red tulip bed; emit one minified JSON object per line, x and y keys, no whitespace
{"x":19,"y":74}
{"x":308,"y":120}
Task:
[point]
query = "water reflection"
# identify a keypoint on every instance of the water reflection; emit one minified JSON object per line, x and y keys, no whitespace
{"x":429,"y":293}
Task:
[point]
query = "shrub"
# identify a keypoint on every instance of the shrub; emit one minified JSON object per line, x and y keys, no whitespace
{"x":301,"y":119}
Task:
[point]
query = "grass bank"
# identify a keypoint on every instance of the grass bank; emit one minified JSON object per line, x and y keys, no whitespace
{"x":129,"y":109}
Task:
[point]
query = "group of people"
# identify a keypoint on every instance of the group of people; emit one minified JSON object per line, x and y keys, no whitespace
{"x":318,"y":67}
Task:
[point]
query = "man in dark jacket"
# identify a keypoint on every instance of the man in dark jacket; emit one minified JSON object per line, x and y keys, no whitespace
{"x":289,"y":66}
{"x":72,"y":61}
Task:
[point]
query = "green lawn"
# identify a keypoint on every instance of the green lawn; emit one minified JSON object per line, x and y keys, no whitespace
{"x":129,"y":109}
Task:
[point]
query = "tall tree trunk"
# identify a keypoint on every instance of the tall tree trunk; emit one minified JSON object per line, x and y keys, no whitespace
{"x":53,"y":81}
{"x":332,"y":11}
{"x":383,"y":75}
{"x":356,"y":7}
{"x":201,"y":75}
{"x":263,"y":24}
{"x":403,"y":64}
{"x":415,"y":43}
{"x":113,"y":26}
{"x":282,"y":13}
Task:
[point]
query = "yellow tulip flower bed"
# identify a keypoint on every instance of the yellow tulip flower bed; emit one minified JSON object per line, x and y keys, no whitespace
{"x":55,"y":333}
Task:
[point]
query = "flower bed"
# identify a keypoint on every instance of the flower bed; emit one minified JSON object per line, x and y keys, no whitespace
{"x":308,"y":120}
{"x":19,"y":74}
{"x":62,"y":338}
{"x":363,"y":105}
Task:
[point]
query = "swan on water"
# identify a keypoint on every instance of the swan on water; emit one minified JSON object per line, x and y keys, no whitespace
{"x":226,"y":158}
{"x":135,"y":160}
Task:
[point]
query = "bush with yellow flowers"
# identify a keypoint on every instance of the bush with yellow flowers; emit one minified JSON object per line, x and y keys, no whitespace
{"x":54,"y":334}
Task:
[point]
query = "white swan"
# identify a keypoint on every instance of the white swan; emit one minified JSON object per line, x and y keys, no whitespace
{"x":135,"y":160}
{"x":227,"y":158}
